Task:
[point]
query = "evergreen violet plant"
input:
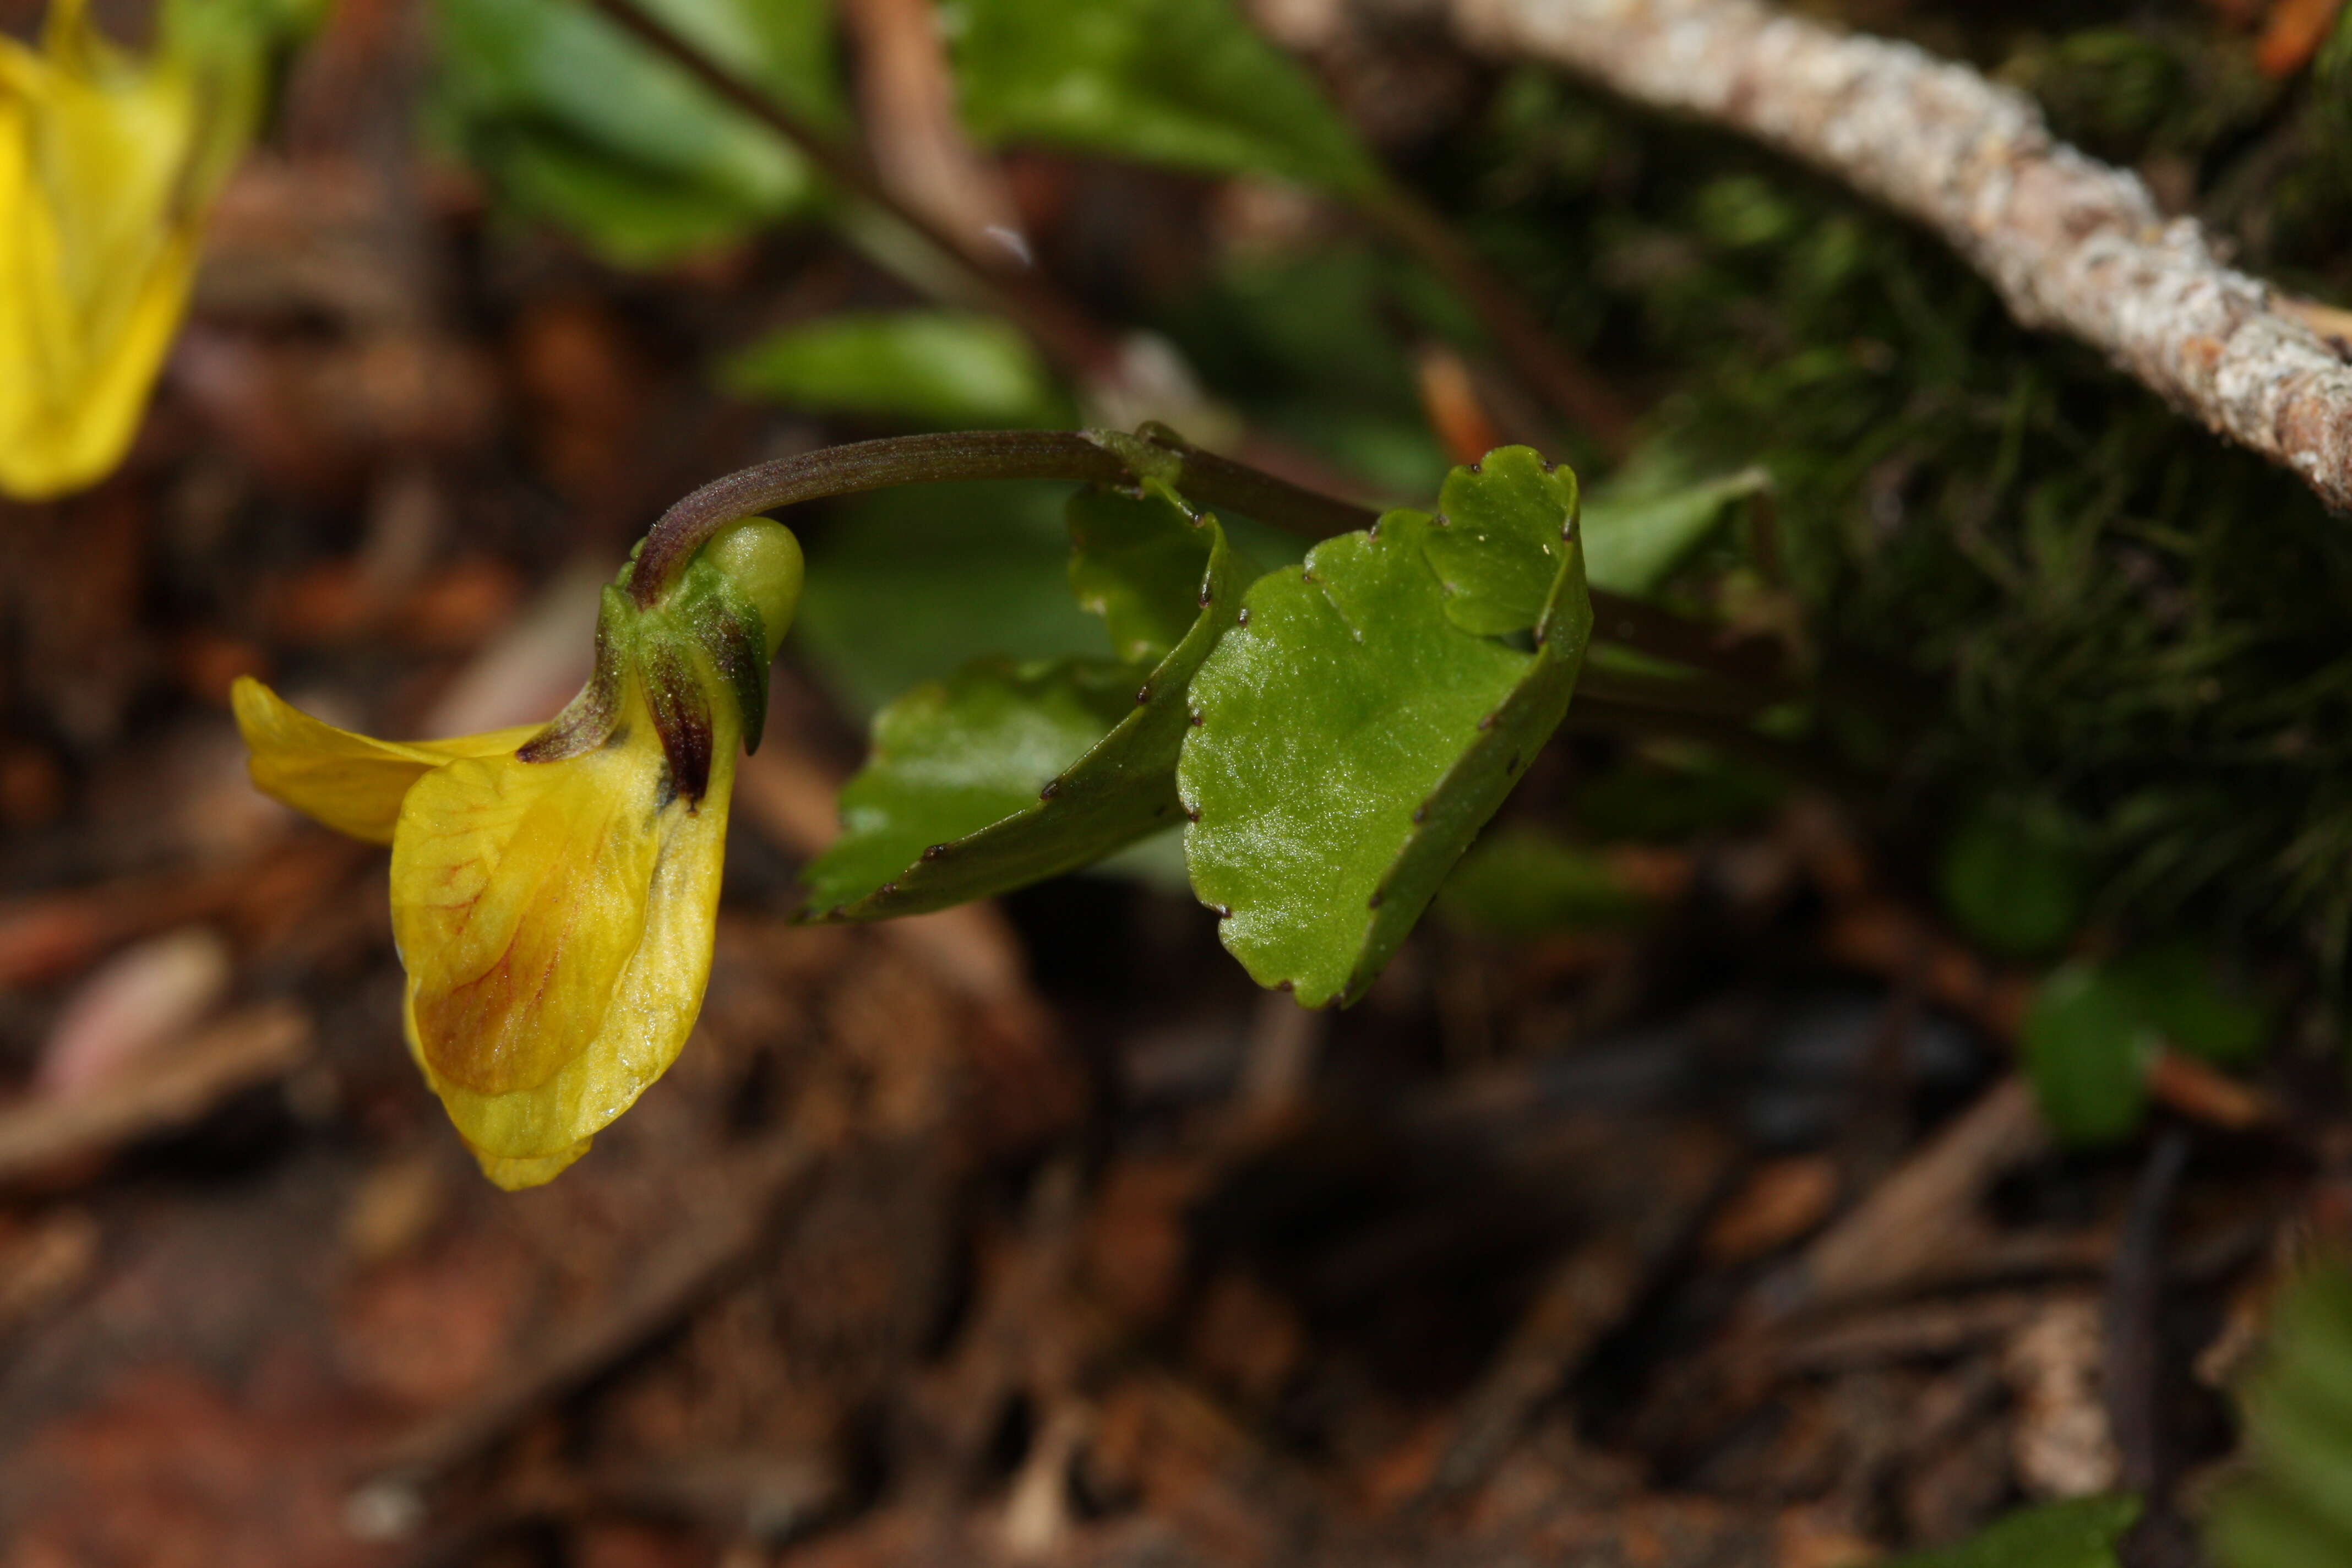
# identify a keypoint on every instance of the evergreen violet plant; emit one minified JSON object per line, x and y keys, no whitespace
{"x":1329,"y":736}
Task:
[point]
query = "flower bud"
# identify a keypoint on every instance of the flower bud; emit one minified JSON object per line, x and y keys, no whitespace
{"x":727,"y":612}
{"x":762,"y":560}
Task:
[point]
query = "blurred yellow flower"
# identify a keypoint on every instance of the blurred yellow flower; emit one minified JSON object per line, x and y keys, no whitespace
{"x":108,"y":162}
{"x":555,"y":888}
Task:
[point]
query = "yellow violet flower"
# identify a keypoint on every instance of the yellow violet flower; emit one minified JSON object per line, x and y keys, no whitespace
{"x":555,"y":888}
{"x":107,"y":164}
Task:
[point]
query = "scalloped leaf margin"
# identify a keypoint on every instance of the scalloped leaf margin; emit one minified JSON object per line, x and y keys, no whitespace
{"x":1370,"y":712}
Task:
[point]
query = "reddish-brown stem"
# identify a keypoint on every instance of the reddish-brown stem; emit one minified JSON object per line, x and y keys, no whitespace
{"x":1087,"y":456}
{"x":1078,"y":345}
{"x":1084,"y":457}
{"x":1085,"y":349}
{"x":1520,"y":336}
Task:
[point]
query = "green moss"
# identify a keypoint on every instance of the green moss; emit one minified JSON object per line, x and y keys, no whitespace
{"x":2123,"y":617}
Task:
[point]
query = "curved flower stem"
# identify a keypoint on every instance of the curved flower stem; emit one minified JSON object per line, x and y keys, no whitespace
{"x":1080,"y":346}
{"x":1085,"y":457}
{"x":1715,"y":707}
{"x":1104,"y":457}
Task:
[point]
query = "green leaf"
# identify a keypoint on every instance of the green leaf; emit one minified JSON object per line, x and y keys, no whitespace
{"x":2087,"y":1049}
{"x":1353,"y":736}
{"x":580,"y":125}
{"x":1006,"y":775}
{"x":2332,"y":72}
{"x":2015,"y":877}
{"x":948,"y":368}
{"x":1140,"y":575}
{"x":1520,"y":882}
{"x":948,"y":760}
{"x":907,"y":582}
{"x":1500,"y":543}
{"x":2173,"y":987}
{"x":2081,"y":1532}
{"x":2291,"y":1502}
{"x":2093,"y":1028}
{"x":1185,"y":83}
{"x":1640,"y":528}
{"x":628,"y":217}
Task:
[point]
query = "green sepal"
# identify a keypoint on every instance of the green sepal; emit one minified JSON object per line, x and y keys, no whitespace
{"x":681,"y":712}
{"x":721,"y":619}
{"x":733,"y":601}
{"x":1353,"y":734}
{"x":587,"y":721}
{"x":1006,"y":775}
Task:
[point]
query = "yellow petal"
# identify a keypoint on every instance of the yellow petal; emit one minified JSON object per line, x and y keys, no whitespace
{"x":516,"y":1174}
{"x":525,"y":1137}
{"x":519,"y":892}
{"x":351,"y":782}
{"x":107,"y":164}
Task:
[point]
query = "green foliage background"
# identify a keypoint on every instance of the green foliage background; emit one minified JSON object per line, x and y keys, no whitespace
{"x":2091,"y":660}
{"x":2138,"y":631}
{"x":2090,"y":617}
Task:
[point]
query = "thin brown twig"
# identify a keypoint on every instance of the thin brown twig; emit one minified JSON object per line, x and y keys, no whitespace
{"x":1520,"y":336}
{"x":907,"y":96}
{"x":1080,"y":346}
{"x":1920,"y":1214}
{"x":1083,"y":347}
{"x":670,"y":1282}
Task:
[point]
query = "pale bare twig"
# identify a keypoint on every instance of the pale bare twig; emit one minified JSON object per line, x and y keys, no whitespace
{"x":2070,"y":244}
{"x":243,"y":1050}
